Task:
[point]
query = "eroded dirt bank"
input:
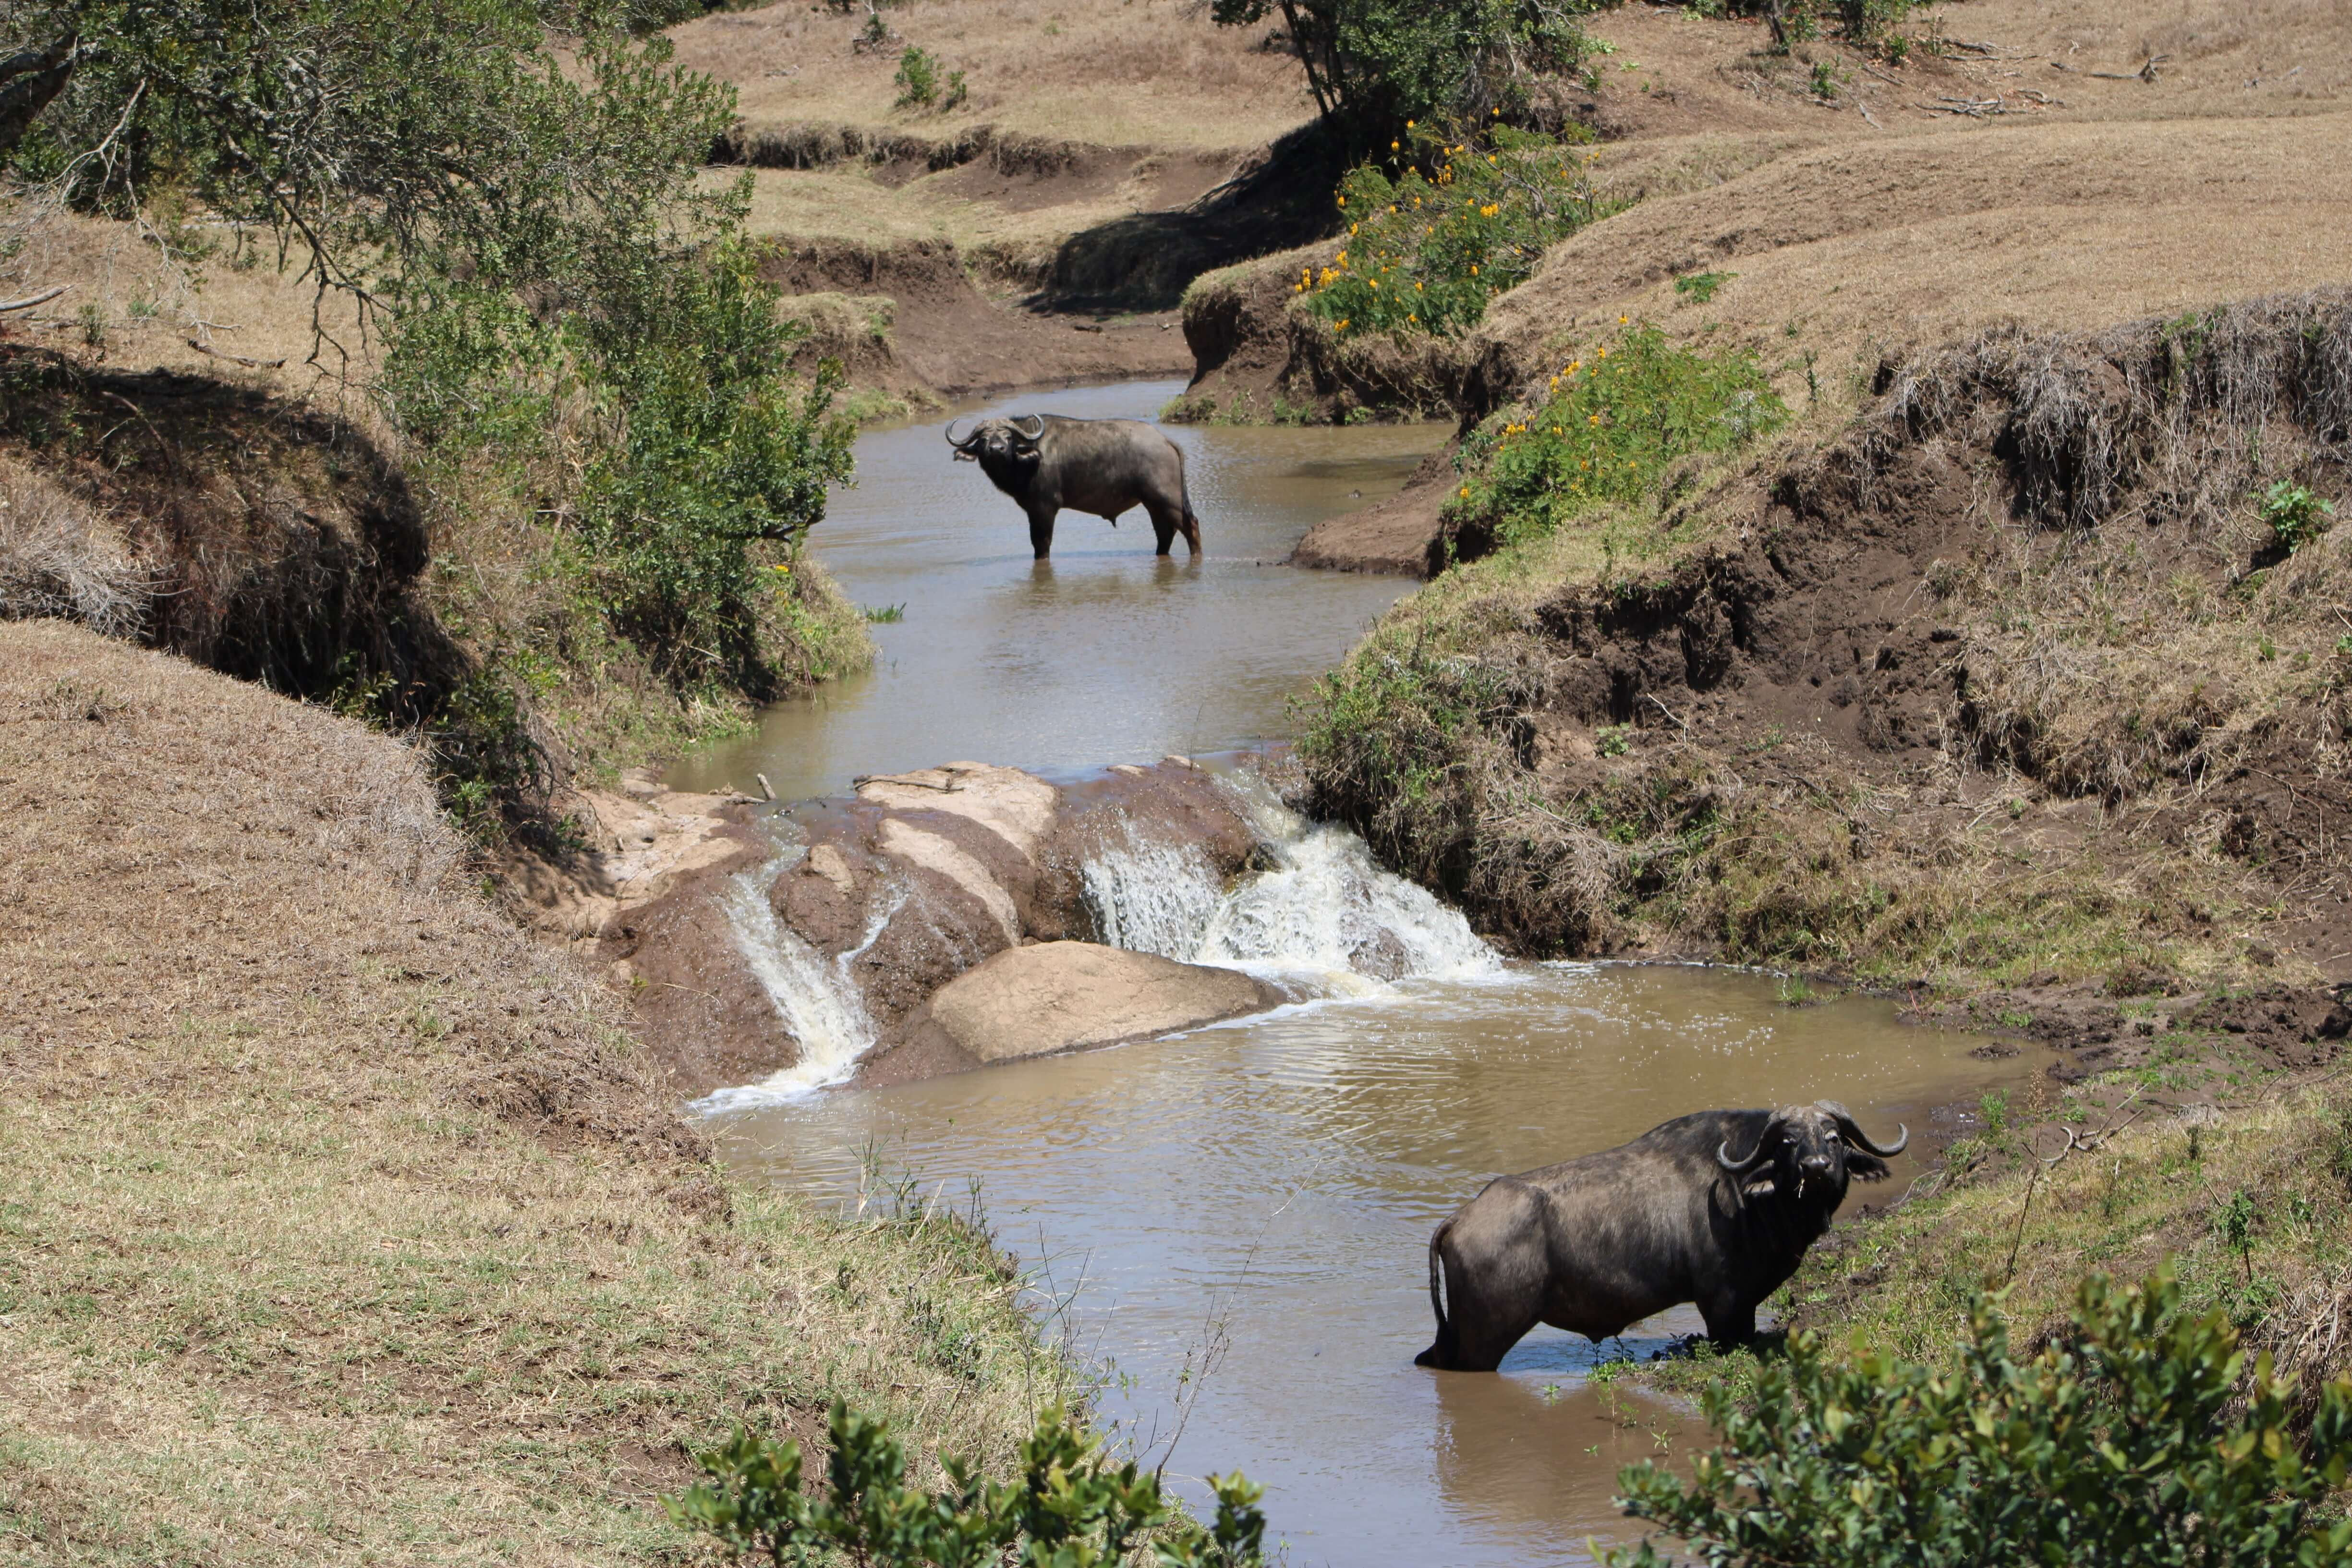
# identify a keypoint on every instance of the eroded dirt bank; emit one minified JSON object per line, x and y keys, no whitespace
{"x":2018,"y":676}
{"x":940,"y":337}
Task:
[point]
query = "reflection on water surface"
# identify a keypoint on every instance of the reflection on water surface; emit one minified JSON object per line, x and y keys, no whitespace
{"x":1285,"y":1172}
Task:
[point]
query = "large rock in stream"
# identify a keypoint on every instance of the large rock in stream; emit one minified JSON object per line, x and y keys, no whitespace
{"x":1058,"y":996}
{"x":919,"y":878}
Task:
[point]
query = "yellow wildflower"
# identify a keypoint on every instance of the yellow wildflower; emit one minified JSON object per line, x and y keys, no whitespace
{"x":1621,"y":320}
{"x":1465,"y":492}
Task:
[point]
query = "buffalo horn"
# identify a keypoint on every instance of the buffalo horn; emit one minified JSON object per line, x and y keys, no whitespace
{"x":1861,"y":1139}
{"x":1037,"y":419}
{"x":952,"y":437}
{"x":1755,"y":1156}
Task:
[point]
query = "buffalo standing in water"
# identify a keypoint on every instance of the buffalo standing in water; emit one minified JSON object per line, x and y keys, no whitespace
{"x":1103,"y":465}
{"x":1716,"y":1208}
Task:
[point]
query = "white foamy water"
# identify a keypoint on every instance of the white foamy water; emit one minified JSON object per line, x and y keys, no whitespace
{"x":1324,"y":920}
{"x":1149,"y":897}
{"x":813,"y":995}
{"x":1325,"y":913}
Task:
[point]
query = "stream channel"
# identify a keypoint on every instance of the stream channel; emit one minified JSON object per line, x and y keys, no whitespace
{"x":1237,"y":1218}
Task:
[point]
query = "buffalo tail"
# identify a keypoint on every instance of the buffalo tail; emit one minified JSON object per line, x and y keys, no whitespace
{"x":1440,"y":1352}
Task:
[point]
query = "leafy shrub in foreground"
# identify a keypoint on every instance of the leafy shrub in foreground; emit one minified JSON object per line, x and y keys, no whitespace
{"x":2116,"y":1445}
{"x":1068,"y":1508}
{"x":1423,"y":253}
{"x":1608,"y":430}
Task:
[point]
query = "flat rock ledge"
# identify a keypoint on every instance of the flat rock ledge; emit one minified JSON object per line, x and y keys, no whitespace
{"x":1056,"y":996}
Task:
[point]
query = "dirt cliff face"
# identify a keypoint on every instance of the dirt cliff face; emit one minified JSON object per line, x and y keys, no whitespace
{"x":2019,"y":678}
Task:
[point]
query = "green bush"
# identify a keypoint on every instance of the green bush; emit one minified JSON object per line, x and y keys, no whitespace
{"x":2294,"y":516}
{"x":917,"y":79}
{"x":716,"y":459}
{"x":1068,"y":1508}
{"x":2119,"y":1446}
{"x":1608,"y":430}
{"x":1425,"y":252}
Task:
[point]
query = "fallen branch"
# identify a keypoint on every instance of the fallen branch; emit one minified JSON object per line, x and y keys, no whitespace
{"x":201,"y":348}
{"x":29,"y":301}
{"x":2145,"y":73}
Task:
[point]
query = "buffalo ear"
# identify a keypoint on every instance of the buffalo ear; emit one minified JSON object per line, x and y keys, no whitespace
{"x":1763,"y":1189}
{"x":1862,"y":1167}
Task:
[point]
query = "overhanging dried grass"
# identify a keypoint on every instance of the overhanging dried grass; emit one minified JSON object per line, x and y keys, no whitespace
{"x":60,"y":560}
{"x":2081,"y":418}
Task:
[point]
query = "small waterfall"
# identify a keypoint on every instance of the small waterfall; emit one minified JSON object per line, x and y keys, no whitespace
{"x":1325,"y":911}
{"x":1148,"y":897}
{"x":814,"y":995}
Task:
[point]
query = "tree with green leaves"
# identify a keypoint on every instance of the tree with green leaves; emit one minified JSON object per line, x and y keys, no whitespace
{"x":507,"y":192}
{"x":1372,"y":65}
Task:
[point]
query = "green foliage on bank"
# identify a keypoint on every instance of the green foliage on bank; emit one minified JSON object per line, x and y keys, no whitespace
{"x":1451,"y":220}
{"x":2130,"y":1441}
{"x":1610,"y":424}
{"x":559,"y":317}
{"x":1393,"y":737}
{"x":1066,"y":1507}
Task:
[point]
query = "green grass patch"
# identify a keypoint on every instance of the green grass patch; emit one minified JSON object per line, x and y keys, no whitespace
{"x":1612,"y":423}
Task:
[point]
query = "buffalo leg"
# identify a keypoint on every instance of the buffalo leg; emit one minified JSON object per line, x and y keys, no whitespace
{"x":1041,"y":533}
{"x":1494,"y":1273}
{"x":1730,"y":1320}
{"x":1165,"y":523}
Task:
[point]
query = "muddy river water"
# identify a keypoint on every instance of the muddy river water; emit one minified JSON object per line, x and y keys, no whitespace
{"x":1236,"y":1218}
{"x":1103,"y":653}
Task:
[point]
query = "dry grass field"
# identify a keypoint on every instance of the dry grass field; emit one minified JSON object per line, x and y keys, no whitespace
{"x":2013,"y":167}
{"x":341,"y":1224}
{"x":1136,"y":73}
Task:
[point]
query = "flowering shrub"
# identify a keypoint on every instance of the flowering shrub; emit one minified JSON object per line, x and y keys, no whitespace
{"x":1614,"y":419}
{"x":1425,"y":251}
